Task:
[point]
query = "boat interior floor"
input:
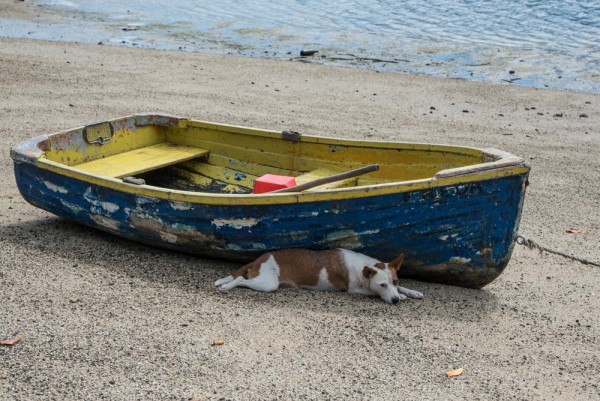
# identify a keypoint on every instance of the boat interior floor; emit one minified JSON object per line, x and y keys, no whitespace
{"x":201,"y":176}
{"x":187,"y":168}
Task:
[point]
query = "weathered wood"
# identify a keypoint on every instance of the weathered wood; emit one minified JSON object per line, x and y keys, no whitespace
{"x":455,"y":227}
{"x":223,"y":174}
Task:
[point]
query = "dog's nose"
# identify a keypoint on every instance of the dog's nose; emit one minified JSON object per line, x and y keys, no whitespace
{"x":395,"y":300}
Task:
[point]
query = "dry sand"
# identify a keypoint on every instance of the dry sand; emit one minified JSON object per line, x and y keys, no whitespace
{"x":106,"y":319}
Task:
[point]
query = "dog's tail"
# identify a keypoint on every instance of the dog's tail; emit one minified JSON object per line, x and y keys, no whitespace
{"x":251,"y":270}
{"x":242,"y":271}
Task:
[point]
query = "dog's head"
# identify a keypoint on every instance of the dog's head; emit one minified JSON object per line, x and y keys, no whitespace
{"x":383,"y":279}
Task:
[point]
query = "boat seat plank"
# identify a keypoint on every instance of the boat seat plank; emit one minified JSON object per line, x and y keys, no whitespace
{"x":223,"y":174}
{"x":322,"y":173}
{"x":142,"y":160}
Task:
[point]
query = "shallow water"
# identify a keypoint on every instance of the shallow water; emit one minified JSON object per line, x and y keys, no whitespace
{"x":535,"y":43}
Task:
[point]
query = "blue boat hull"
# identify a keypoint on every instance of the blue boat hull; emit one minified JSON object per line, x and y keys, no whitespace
{"x":462,"y":234}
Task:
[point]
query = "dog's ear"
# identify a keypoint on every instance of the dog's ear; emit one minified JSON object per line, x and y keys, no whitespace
{"x":396,"y":263}
{"x":369,"y":272}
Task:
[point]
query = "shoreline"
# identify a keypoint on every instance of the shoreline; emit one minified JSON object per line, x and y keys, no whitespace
{"x":514,"y":65}
{"x":105,"y":318}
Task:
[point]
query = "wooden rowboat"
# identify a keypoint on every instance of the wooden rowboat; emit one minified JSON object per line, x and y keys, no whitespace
{"x":187,"y":185}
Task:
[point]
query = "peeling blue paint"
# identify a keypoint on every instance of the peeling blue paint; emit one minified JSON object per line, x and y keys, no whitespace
{"x":460,"y":234}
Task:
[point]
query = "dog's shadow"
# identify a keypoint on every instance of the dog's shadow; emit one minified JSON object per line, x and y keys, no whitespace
{"x":86,"y":246}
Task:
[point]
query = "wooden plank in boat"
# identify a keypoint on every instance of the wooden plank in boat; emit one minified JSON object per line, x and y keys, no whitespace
{"x":325,"y":172}
{"x":219,"y":173}
{"x":248,"y":167}
{"x":181,"y":178}
{"x":142,"y":160}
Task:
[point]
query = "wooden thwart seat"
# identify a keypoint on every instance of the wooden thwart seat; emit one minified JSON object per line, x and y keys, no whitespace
{"x":142,"y":160}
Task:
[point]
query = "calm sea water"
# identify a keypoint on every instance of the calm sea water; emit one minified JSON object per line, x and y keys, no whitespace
{"x":549,"y":43}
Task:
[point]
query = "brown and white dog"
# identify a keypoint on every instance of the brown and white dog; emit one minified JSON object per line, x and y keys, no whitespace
{"x":331,"y":270}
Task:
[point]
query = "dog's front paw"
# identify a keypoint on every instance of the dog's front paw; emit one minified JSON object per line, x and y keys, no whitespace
{"x":410,"y":293}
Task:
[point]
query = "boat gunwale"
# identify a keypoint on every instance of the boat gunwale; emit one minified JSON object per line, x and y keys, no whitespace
{"x":332,"y":140}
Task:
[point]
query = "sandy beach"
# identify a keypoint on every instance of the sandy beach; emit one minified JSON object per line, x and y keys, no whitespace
{"x":102,"y":318}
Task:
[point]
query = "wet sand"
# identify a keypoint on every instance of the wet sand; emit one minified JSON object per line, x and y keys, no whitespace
{"x":107,"y":319}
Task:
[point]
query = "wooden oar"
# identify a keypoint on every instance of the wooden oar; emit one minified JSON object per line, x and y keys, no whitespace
{"x":331,"y":178}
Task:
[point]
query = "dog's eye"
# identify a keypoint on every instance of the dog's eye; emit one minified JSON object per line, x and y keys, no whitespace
{"x":384,"y":285}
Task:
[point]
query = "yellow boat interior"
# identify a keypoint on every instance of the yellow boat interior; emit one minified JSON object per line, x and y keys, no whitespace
{"x":191,"y":155}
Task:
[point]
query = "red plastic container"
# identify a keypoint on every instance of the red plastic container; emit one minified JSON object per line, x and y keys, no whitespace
{"x":272,"y":182}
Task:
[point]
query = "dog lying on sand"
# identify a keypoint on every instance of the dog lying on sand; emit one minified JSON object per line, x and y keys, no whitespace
{"x":329,"y":270}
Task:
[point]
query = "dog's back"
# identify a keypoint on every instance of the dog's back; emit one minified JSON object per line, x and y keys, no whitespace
{"x":302,"y":268}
